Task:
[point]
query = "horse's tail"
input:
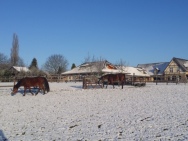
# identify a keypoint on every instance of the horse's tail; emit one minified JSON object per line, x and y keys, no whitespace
{"x":99,"y":80}
{"x":46,"y":84}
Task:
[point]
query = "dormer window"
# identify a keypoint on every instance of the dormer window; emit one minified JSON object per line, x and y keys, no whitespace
{"x":156,"y":70}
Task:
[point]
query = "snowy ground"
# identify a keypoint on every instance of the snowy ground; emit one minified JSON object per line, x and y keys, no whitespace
{"x":67,"y":112}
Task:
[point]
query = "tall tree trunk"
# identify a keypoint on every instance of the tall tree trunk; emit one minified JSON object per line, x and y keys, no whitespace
{"x":14,"y":51}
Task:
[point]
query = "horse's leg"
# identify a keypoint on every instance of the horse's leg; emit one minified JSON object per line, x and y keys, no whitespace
{"x":24,"y":91}
{"x":37,"y":91}
{"x":30,"y":91}
{"x":43,"y":90}
{"x":103,"y":84}
{"x":106,"y":85}
{"x":113,"y":84}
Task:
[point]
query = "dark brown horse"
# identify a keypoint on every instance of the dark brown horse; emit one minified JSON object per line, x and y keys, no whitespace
{"x":112,"y":79}
{"x":40,"y":82}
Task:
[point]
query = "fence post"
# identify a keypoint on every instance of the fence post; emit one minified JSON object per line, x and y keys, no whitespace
{"x":14,"y":80}
{"x":133,"y":79}
{"x":83,"y":83}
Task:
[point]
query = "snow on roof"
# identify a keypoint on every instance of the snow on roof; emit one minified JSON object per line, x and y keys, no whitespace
{"x":25,"y":69}
{"x":136,"y":71}
{"x":186,"y":64}
{"x":128,"y":71}
{"x":151,"y":67}
{"x":80,"y":70}
{"x":85,"y":65}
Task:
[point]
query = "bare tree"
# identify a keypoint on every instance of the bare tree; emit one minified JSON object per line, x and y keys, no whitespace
{"x":100,"y":65}
{"x":94,"y":64}
{"x":14,"y":56}
{"x":121,"y":64}
{"x":4,"y":62}
{"x":3,"y":58}
{"x":21,"y":62}
{"x":56,"y":64}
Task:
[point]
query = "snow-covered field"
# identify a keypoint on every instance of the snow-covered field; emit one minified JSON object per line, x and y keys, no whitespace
{"x":69,"y":113}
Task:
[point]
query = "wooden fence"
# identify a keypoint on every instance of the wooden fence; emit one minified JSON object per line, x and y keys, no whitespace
{"x":53,"y":78}
{"x":91,"y":82}
{"x":6,"y":79}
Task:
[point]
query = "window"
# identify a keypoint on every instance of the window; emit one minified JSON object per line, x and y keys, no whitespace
{"x":171,"y":69}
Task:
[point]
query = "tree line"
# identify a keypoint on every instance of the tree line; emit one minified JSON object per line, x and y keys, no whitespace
{"x":55,"y":64}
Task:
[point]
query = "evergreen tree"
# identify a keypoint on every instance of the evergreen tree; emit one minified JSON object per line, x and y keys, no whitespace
{"x":73,"y":66}
{"x":34,"y":64}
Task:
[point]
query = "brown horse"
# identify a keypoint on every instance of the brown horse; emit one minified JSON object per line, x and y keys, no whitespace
{"x":28,"y":82}
{"x":113,"y":78}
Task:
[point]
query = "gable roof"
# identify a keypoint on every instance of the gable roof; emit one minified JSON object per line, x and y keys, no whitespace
{"x":149,"y":68}
{"x":19,"y":69}
{"x":90,"y":67}
{"x":182,"y":63}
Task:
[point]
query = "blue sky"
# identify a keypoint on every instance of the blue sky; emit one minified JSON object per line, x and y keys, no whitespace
{"x":136,"y":31}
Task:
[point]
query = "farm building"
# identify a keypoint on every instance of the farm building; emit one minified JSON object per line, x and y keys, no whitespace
{"x":103,"y":67}
{"x":154,"y":70}
{"x":88,"y":68}
{"x":16,"y":70}
{"x":176,"y":69}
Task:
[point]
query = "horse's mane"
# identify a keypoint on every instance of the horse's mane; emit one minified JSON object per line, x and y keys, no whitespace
{"x":19,"y":83}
